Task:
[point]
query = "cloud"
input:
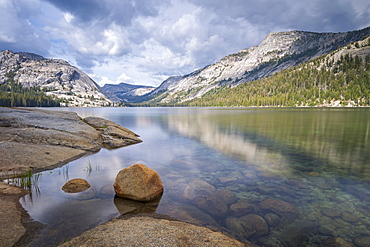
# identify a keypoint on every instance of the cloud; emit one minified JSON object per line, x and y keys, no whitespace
{"x":315,"y":15}
{"x":144,"y":42}
{"x":19,"y":30}
{"x":121,"y":12}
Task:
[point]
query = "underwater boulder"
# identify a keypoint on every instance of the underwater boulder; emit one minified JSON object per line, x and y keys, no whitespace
{"x":279,"y":207}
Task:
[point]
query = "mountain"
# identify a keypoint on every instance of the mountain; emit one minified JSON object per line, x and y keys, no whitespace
{"x":126,"y":92}
{"x":278,"y":51}
{"x":340,"y":78}
{"x":55,"y":76}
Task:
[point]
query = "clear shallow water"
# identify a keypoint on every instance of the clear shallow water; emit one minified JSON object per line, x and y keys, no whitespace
{"x":276,"y":177}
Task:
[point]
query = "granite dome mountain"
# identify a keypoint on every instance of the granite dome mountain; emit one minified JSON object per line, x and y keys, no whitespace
{"x":278,"y":51}
{"x":56,"y":76}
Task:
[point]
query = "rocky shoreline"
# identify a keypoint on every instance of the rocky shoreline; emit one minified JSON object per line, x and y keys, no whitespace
{"x":37,"y":140}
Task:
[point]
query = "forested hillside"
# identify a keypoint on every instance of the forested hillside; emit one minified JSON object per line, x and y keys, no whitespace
{"x":277,"y":52}
{"x":340,"y":78}
{"x":14,"y":94}
{"x":33,"y":74}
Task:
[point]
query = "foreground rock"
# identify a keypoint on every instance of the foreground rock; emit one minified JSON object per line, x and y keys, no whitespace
{"x":10,"y":215}
{"x":139,"y":183}
{"x":39,"y":140}
{"x":151,"y":230}
{"x":43,"y":139}
{"x":114,"y":135}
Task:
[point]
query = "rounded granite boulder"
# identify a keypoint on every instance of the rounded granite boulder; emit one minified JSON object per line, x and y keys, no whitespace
{"x":139,"y":183}
{"x":76,"y":185}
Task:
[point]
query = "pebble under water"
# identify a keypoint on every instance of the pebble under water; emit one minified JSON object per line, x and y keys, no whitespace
{"x":289,"y":177}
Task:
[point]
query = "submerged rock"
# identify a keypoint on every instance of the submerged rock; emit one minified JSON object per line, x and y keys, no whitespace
{"x":280,"y":207}
{"x":272,"y":219}
{"x":227,"y":196}
{"x":180,"y":191}
{"x":361,"y":193}
{"x":250,"y":225}
{"x":363,"y":241}
{"x":332,"y":213}
{"x":241,"y":208}
{"x":139,"y":183}
{"x":255,"y":225}
{"x":212,"y":205}
{"x":297,"y":233}
{"x":328,"y":230}
{"x":349,"y":217}
{"x":336,"y":242}
{"x":187,"y":213}
{"x":201,"y":186}
{"x":234,"y":224}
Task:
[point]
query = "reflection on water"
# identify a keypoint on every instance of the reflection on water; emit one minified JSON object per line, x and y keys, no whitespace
{"x":290,"y":177}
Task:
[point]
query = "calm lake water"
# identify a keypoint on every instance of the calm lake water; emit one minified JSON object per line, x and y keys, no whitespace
{"x":275,"y":177}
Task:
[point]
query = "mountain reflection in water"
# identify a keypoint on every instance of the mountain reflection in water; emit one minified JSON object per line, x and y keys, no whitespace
{"x":276,"y":177}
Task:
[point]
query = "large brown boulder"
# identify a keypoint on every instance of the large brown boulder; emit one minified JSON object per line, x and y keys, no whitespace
{"x":139,"y":183}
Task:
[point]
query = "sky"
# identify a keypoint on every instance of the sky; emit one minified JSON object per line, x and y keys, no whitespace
{"x":144,"y":42}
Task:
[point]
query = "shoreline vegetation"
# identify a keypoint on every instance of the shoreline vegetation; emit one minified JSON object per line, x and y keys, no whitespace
{"x":338,"y":79}
{"x":33,"y":140}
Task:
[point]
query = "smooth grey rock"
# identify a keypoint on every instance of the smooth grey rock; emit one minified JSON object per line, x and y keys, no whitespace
{"x":44,"y":139}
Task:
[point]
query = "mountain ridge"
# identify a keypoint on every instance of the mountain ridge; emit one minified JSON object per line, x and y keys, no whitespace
{"x":278,"y":51}
{"x":56,"y":76}
{"x":126,"y":92}
{"x":337,"y":79}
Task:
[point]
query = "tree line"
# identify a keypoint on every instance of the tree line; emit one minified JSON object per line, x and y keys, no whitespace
{"x":317,"y":82}
{"x":14,"y":94}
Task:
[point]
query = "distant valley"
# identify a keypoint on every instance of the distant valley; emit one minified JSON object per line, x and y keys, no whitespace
{"x":125,"y":92}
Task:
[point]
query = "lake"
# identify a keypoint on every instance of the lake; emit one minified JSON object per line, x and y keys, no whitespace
{"x":275,"y":177}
